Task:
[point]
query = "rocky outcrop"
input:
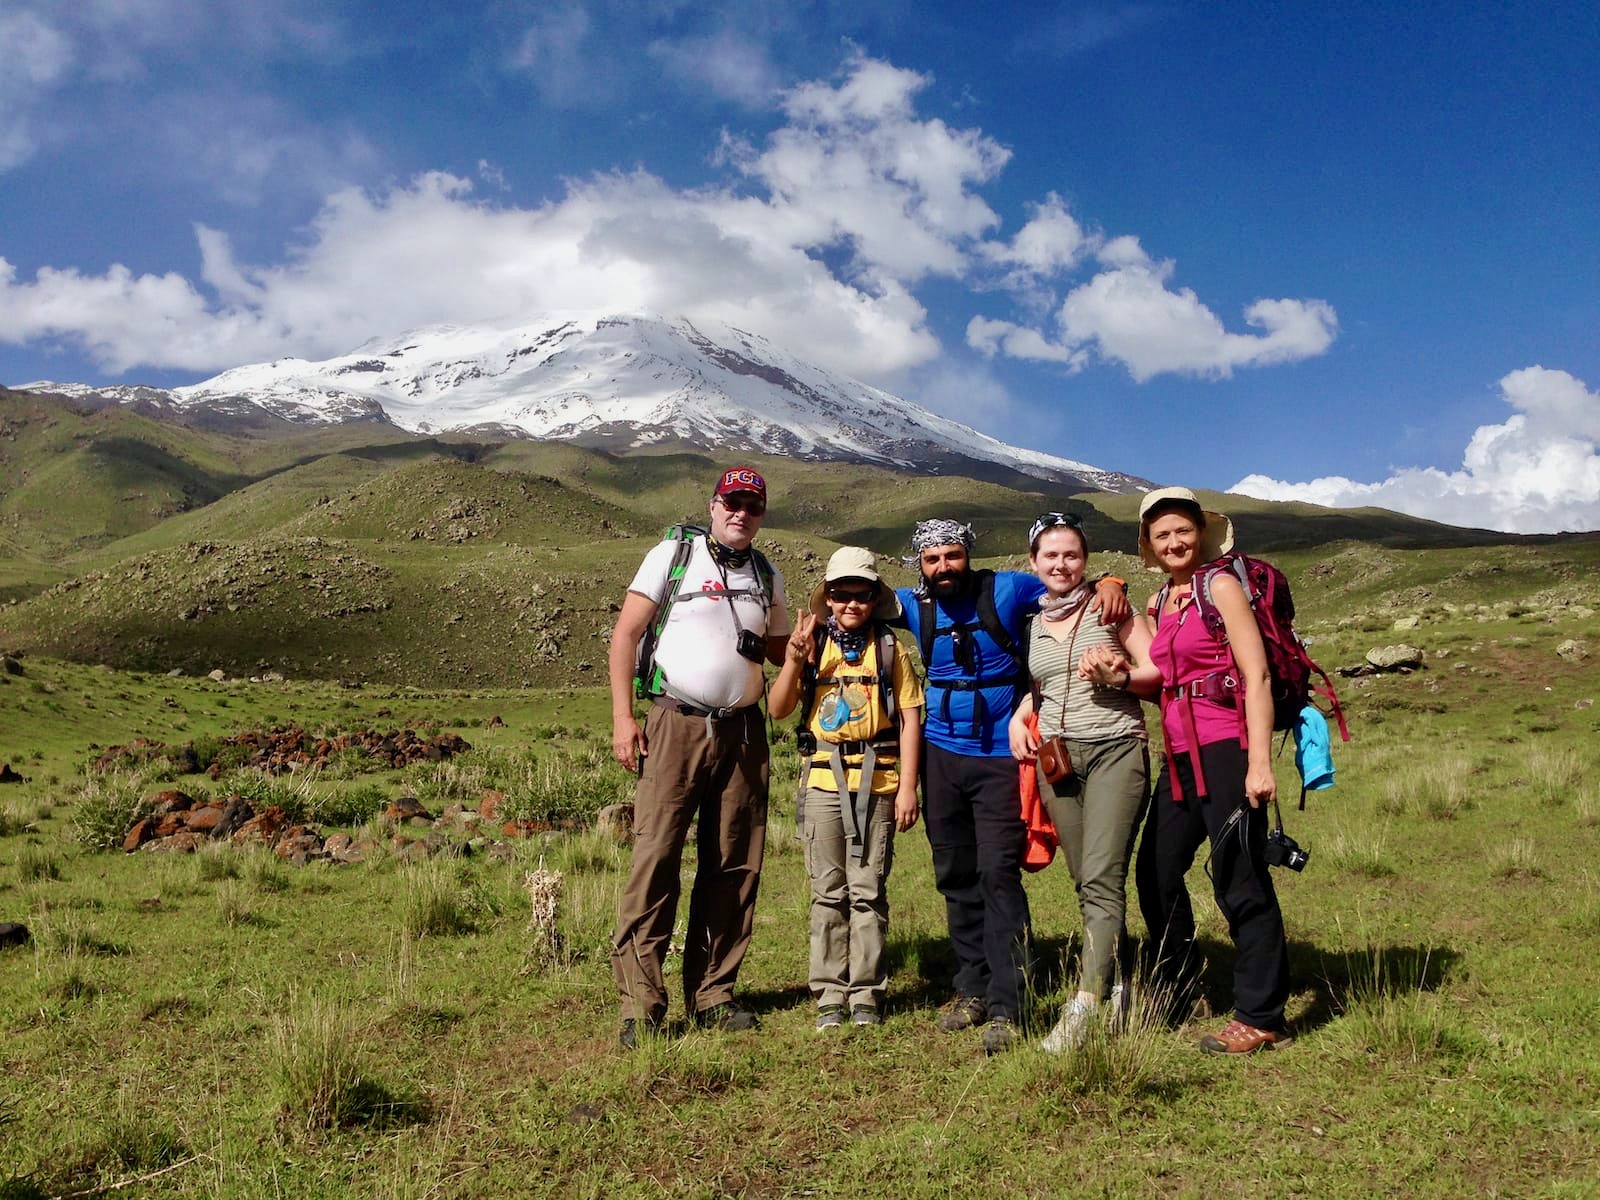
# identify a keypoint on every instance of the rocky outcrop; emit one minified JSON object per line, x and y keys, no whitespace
{"x":283,"y":749}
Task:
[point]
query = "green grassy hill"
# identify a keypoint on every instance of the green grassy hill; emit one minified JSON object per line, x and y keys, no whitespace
{"x":361,"y":552}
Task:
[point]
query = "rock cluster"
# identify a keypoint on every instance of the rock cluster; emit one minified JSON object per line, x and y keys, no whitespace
{"x":284,"y":749}
{"x":179,"y":823}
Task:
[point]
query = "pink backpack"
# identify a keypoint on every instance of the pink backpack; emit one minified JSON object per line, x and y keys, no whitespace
{"x":1288,"y":665}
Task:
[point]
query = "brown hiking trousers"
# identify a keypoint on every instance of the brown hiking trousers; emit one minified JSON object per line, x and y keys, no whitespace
{"x":719,"y":778}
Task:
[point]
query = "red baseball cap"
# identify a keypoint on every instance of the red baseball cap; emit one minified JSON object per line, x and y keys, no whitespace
{"x":741,"y":479}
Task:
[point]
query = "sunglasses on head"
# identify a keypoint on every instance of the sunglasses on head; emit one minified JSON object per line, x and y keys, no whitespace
{"x":1053,"y":520}
{"x":754,"y":505}
{"x":852,"y":595}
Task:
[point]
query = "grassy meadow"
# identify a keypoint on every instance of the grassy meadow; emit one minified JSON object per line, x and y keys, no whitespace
{"x":222,"y":1024}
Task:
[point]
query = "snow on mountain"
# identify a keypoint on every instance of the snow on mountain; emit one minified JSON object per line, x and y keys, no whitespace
{"x":627,"y":380}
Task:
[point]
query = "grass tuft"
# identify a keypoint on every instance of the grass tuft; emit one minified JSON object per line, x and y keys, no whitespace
{"x":1361,"y":853}
{"x":1392,"y":1010}
{"x":319,"y":1080}
{"x":216,"y":860}
{"x":233,"y":904}
{"x":1555,"y":774}
{"x":1127,"y":1057}
{"x":1514,"y":860}
{"x":1439,"y":789}
{"x":36,"y":864}
{"x":70,"y":936}
{"x":106,"y":806}
{"x":433,"y":903}
{"x":265,"y":873}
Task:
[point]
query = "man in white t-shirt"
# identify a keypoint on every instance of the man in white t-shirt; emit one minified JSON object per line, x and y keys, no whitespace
{"x":702,"y":752}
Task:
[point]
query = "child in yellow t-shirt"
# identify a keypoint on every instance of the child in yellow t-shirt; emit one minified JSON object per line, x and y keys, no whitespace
{"x":861,"y":746}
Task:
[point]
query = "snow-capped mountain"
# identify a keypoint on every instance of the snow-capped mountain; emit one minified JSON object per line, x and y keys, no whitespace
{"x":628,"y":380}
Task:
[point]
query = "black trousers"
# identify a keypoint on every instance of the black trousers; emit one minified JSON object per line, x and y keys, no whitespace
{"x":1173,"y":832}
{"x":974,"y":823}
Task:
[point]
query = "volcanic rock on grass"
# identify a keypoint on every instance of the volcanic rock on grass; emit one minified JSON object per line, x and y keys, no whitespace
{"x":171,"y":801}
{"x":406,"y":808}
{"x":13,"y":934}
{"x":1572,"y":650}
{"x":1395,"y":658}
{"x":141,"y":833}
{"x":263,"y":828}
{"x":7,"y":775}
{"x":204,"y":820}
{"x":235,"y":812}
{"x":298,"y":845}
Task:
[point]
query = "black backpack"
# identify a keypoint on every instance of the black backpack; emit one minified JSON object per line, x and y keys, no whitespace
{"x":960,"y":632}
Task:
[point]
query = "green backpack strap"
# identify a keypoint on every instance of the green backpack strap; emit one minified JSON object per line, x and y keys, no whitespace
{"x":647,"y":678}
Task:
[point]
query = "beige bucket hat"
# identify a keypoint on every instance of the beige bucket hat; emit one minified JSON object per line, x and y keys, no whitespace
{"x":855,"y":562}
{"x":1216,"y":538}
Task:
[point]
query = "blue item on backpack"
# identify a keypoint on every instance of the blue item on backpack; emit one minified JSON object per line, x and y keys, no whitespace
{"x":1313,"y":751}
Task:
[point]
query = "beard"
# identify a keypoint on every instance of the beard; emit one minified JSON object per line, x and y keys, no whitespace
{"x":945,"y":584}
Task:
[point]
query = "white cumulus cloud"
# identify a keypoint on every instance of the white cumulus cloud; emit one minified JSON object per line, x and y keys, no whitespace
{"x":816,"y":236}
{"x":1537,"y":472}
{"x":1129,"y":313}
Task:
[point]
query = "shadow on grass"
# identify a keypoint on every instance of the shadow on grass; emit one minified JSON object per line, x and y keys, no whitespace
{"x":1340,"y":976}
{"x":1335,"y":977}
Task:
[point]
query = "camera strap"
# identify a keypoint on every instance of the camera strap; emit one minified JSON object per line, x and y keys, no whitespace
{"x":1235,"y":823}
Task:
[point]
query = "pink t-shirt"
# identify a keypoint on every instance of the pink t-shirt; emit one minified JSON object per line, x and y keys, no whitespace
{"x":1185,"y":650}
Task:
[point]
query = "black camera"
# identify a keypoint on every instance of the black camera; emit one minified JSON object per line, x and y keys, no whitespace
{"x":1283,"y":851}
{"x":752,"y":646}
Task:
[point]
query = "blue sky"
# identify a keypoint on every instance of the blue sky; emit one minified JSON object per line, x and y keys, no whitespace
{"x":1346,"y":252}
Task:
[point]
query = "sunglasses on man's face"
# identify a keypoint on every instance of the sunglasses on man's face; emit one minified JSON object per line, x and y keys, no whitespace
{"x":753,"y":505}
{"x":853,"y":595}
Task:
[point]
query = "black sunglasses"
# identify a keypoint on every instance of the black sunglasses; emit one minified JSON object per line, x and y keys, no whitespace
{"x":755,"y":506}
{"x":840,"y":595}
{"x":1053,"y":520}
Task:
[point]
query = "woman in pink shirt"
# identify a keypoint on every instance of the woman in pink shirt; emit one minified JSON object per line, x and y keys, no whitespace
{"x":1216,"y":778}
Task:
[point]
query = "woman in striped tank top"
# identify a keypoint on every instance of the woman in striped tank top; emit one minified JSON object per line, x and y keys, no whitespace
{"x":1082,"y":672}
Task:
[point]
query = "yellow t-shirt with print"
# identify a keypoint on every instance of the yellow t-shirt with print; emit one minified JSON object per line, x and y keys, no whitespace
{"x":847,"y":698}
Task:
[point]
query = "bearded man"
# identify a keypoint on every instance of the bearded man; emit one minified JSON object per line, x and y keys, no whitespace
{"x":970,"y":625}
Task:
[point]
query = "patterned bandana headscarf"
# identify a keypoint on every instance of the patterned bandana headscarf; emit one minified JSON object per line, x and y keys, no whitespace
{"x":938,"y":532}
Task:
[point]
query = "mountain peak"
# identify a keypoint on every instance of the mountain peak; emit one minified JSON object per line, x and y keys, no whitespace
{"x":618,"y":379}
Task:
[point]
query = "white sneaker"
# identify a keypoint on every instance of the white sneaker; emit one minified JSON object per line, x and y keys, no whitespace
{"x":1123,"y":1002}
{"x":1070,"y":1029}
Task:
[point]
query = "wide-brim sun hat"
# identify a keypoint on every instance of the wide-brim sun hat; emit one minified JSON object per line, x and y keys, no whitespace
{"x":1216,"y":539}
{"x":855,"y":562}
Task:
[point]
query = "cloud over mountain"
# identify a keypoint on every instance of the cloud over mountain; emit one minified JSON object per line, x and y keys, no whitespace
{"x":1536,"y":472}
{"x":816,"y":235}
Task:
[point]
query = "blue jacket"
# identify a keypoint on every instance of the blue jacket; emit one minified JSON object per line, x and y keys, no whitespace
{"x":950,"y":711}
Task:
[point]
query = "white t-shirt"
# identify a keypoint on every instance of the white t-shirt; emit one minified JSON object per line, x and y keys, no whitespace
{"x":698,"y":651}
